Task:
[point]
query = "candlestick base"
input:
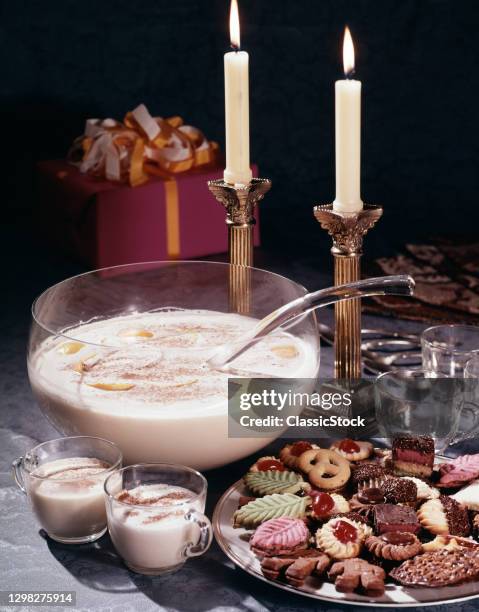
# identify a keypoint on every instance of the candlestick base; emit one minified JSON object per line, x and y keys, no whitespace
{"x":239,"y":202}
{"x":347,"y":229}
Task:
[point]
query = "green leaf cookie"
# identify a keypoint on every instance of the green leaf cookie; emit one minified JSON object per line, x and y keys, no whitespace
{"x":273,"y":481}
{"x":271,"y":506}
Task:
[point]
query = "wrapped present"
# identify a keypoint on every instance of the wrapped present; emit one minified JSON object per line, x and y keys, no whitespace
{"x":109,"y":205}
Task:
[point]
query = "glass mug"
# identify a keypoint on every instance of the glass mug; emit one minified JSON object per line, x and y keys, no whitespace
{"x":472,"y":368}
{"x":156,"y":516}
{"x":414,"y":402}
{"x":63,"y":480}
{"x":446,"y":349}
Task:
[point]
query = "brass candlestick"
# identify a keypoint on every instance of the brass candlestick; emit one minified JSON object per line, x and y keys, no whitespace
{"x":347,"y":231}
{"x":239,"y":202}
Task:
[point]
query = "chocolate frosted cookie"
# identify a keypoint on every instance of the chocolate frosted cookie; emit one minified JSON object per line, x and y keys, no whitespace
{"x":394,"y":545}
{"x":438,"y":569}
{"x":368,"y":475}
{"x":444,"y":515}
{"x":400,"y":491}
{"x":389,"y":517}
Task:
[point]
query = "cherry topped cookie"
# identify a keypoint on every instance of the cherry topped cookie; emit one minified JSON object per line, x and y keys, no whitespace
{"x":353,"y":450}
{"x":291,"y":453}
{"x":342,"y":538}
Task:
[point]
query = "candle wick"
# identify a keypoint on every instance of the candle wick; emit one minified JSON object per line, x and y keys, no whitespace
{"x":350,"y":73}
{"x":235,"y":47}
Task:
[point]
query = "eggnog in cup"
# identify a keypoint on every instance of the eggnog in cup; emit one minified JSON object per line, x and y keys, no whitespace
{"x":155,"y":516}
{"x":66,"y":492}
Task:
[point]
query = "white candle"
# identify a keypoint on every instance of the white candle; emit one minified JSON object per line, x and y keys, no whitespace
{"x":348,"y":135}
{"x":236,"y":107}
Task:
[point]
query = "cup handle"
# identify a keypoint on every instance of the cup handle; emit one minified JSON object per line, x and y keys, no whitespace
{"x":17,"y":474}
{"x":206,"y":534}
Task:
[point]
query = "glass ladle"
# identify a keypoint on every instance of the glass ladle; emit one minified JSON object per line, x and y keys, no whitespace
{"x":402,"y":284}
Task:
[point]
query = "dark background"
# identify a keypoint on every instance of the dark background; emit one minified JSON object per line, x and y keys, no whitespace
{"x":64,"y":61}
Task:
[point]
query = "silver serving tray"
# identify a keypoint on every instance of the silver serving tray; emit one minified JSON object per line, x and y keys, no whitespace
{"x":234,"y":543}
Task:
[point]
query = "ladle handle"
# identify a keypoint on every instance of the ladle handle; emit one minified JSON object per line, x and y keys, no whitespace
{"x":402,"y":284}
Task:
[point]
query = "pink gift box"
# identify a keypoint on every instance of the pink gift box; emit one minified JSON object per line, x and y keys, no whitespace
{"x":103,"y":223}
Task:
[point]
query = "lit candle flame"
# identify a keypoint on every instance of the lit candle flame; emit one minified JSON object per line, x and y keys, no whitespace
{"x":234,"y":25}
{"x":348,"y":53}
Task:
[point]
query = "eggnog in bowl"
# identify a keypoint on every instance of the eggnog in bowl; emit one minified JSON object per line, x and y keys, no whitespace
{"x":143,"y":381}
{"x":123,"y":353}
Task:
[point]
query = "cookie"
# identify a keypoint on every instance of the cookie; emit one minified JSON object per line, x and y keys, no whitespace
{"x":290,"y":454}
{"x":279,"y":537}
{"x":267,"y":464}
{"x":296,"y":567}
{"x":460,"y":471}
{"x":369,"y":475}
{"x":413,"y":455}
{"x":468,"y":496}
{"x":269,"y":507}
{"x":342,"y":538}
{"x":390,"y":517}
{"x":326,"y":469}
{"x":448,"y":542}
{"x":394,"y":545}
{"x":353,"y":574}
{"x":400,"y":491}
{"x":365,"y":498}
{"x":444,"y":515}
{"x":353,"y":450}
{"x":325,"y":505}
{"x":424,"y":491}
{"x":438,"y":569}
{"x":269,"y":482}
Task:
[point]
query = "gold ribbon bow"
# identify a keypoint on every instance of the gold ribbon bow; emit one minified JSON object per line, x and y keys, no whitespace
{"x":141,"y":146}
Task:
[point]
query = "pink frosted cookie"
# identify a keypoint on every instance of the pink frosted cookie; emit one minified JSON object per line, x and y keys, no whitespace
{"x":460,"y":471}
{"x":279,"y":536}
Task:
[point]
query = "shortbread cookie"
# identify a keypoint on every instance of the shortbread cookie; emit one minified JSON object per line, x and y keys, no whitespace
{"x":280,"y":536}
{"x":444,"y":515}
{"x":325,"y":505}
{"x":424,"y":491}
{"x":353,"y":450}
{"x":357,"y":574}
{"x":438,"y":569}
{"x":342,"y":538}
{"x":394,"y":545}
{"x":468,"y":496}
{"x":448,"y":542}
{"x":325,"y":469}
{"x":290,"y":454}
